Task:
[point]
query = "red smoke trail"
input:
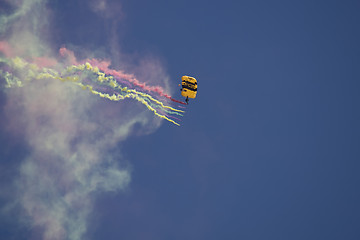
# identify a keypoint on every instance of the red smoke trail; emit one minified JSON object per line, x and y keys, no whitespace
{"x":6,"y":49}
{"x":10,"y":52}
{"x":174,"y":100}
{"x":104,"y":67}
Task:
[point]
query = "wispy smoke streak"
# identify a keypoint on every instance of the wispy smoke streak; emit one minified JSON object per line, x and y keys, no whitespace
{"x":71,"y":134}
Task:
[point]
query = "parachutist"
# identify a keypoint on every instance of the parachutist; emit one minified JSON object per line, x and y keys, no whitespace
{"x":189,"y":88}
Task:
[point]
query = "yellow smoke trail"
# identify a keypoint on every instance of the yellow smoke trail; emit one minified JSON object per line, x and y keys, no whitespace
{"x":32,"y":71}
{"x":103,"y":78}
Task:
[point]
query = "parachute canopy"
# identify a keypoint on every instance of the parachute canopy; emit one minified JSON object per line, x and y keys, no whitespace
{"x":189,"y":87}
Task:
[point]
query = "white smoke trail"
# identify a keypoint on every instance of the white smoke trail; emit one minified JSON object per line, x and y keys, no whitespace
{"x":70,"y":135}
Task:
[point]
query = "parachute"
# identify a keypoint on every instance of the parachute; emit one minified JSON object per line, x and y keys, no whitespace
{"x":188,"y":87}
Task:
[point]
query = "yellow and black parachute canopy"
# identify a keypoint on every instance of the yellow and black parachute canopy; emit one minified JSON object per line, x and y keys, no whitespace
{"x":189,"y":87}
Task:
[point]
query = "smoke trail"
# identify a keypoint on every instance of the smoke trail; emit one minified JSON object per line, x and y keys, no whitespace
{"x":70,"y":134}
{"x":104,"y":66}
{"x":87,"y":77}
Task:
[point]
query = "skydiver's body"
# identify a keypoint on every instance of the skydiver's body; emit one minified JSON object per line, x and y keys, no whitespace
{"x":188,"y":87}
{"x":187,"y":98}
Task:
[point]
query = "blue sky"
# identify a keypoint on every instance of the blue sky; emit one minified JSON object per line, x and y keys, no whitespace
{"x":269,"y":149}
